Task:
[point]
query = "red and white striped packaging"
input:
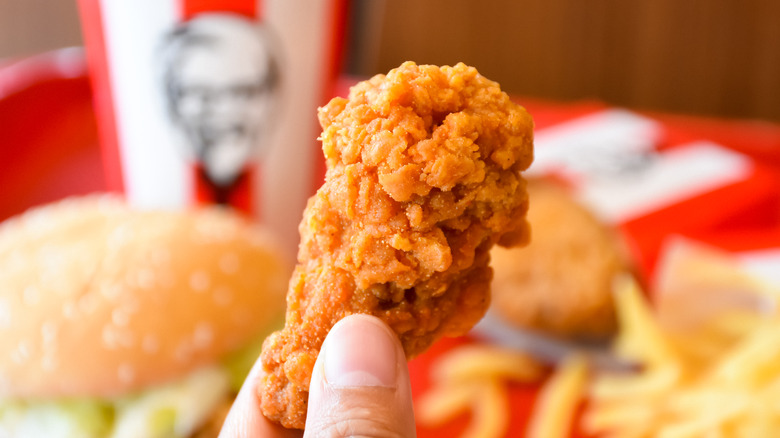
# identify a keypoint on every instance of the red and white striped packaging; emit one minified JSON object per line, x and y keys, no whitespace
{"x":214,"y":101}
{"x":619,"y":165}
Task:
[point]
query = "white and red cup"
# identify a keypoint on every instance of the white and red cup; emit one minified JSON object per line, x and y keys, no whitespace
{"x":214,"y":101}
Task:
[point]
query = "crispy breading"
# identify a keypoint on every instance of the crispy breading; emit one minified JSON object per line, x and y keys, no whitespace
{"x":423,"y":178}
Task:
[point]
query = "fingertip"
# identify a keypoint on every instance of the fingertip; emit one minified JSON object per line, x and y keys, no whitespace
{"x":361,"y":350}
{"x":360,"y":383}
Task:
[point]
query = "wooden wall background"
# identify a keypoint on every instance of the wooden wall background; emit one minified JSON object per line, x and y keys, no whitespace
{"x":712,"y":57}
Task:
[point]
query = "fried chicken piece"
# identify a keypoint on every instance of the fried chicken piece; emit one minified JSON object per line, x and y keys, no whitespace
{"x":561,"y":283}
{"x":423,"y":178}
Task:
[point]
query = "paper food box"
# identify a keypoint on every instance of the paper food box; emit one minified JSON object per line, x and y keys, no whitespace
{"x":619,"y":165}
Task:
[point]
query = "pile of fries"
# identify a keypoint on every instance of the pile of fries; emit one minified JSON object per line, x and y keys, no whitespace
{"x":719,"y":377}
{"x":474,"y":378}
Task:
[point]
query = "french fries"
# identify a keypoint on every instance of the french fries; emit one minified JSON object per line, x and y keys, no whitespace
{"x":640,"y":338}
{"x":558,"y":400}
{"x":473,"y":378}
{"x":715,"y":376}
{"x":720,"y":379}
{"x":443,"y":403}
{"x":491,"y":411}
{"x":475,"y":362}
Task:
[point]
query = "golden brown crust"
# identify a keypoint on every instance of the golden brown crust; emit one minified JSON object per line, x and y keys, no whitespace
{"x":423,"y":178}
{"x":561,"y":282}
{"x":98,"y":299}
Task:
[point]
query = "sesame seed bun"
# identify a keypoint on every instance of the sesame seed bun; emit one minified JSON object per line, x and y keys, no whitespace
{"x":97,"y":299}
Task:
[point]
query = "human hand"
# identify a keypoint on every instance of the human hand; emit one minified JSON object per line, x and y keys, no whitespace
{"x":359,"y":387}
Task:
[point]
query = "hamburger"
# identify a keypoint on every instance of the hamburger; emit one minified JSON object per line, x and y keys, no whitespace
{"x":118,"y":323}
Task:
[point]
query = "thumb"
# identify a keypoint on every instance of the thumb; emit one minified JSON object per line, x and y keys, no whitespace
{"x":360,"y":383}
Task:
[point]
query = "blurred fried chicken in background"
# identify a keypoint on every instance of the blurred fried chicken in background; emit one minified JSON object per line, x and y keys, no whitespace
{"x":560,"y":284}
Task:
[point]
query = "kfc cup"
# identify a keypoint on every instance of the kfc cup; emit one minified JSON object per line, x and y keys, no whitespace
{"x":208,"y":101}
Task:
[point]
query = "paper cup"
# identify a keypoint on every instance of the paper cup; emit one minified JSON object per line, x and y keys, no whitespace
{"x":207,"y":101}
